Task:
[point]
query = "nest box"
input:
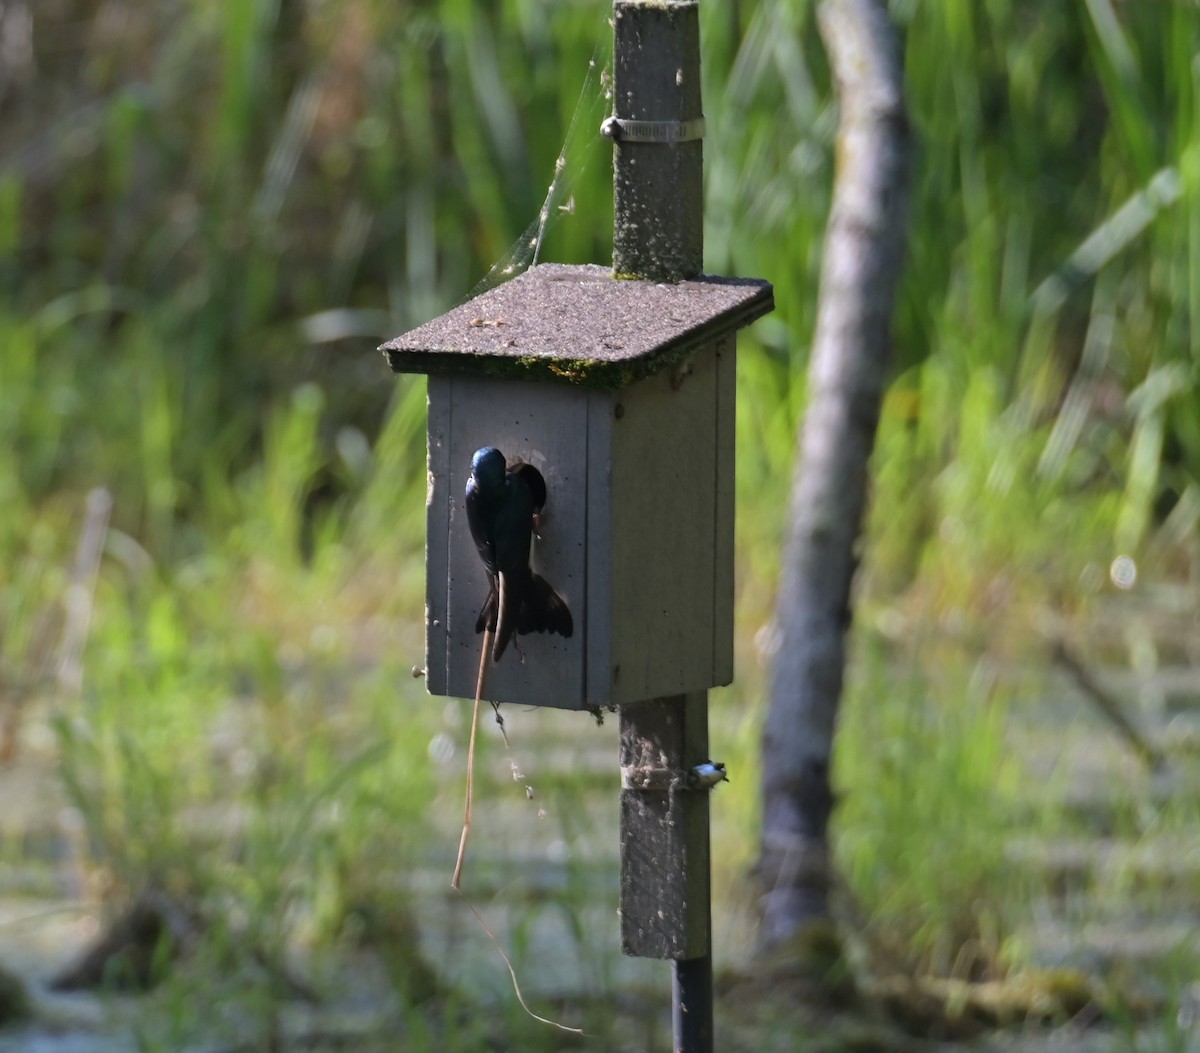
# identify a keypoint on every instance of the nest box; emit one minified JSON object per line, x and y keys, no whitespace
{"x":621,"y":393}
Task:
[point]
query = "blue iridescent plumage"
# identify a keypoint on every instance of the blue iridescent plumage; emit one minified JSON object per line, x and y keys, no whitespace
{"x":502,"y":505}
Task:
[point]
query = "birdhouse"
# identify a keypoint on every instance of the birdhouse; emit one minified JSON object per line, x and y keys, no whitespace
{"x":621,"y":394}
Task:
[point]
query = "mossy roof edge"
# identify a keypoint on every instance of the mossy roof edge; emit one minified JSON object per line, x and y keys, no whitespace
{"x":580,"y":325}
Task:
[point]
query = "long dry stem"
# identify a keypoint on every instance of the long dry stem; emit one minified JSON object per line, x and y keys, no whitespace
{"x":513,"y":973}
{"x":456,"y":880}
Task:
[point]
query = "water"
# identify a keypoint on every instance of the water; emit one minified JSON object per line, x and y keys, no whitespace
{"x":546,"y":884}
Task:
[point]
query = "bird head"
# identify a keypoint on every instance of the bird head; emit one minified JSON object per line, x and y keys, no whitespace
{"x":488,"y":468}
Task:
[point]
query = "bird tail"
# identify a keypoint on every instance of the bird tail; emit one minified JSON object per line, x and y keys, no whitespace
{"x":498,"y":616}
{"x":545,"y":611}
{"x":505,"y":613}
{"x":487,"y":613}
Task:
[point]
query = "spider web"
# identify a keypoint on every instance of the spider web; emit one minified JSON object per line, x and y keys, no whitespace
{"x":580,"y":148}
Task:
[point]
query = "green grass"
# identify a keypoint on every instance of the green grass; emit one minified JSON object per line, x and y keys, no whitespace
{"x":211,"y":214}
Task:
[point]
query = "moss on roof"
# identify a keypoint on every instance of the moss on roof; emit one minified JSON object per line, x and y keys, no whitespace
{"x":580,"y":325}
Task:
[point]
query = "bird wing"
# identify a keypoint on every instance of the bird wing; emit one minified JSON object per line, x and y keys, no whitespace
{"x":511,"y":533}
{"x":479,"y":521}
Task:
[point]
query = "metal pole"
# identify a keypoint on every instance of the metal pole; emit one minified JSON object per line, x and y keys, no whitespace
{"x":692,"y":980}
{"x":692,"y":1008}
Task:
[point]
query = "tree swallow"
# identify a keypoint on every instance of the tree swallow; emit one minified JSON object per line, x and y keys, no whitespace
{"x":503,"y":504}
{"x":706,"y":775}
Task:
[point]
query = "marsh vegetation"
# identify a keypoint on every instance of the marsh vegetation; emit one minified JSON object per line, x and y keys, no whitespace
{"x":213,"y":494}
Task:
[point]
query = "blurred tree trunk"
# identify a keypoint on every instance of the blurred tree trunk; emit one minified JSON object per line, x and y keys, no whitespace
{"x":864,"y":247}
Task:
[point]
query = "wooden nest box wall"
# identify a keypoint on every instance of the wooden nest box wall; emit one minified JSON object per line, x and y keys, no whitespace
{"x":622,"y":394}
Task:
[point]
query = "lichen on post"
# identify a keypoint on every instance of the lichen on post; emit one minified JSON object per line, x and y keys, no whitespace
{"x":658,"y":191}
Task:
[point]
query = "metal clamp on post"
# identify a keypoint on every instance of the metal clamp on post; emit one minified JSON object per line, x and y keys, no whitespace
{"x":626,"y":130}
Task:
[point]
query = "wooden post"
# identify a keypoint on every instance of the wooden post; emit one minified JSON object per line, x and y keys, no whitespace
{"x":665,"y":877}
{"x":658,"y":225}
{"x":658,"y":234}
{"x":664,"y":829}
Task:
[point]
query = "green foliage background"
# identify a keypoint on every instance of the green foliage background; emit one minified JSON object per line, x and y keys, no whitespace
{"x":211,"y":213}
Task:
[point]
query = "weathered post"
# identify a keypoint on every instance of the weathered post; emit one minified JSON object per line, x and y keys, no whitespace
{"x":658,"y":233}
{"x":619,"y":388}
{"x":658,"y":127}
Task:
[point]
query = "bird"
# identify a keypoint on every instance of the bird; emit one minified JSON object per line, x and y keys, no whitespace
{"x":503,"y":504}
{"x":706,"y":775}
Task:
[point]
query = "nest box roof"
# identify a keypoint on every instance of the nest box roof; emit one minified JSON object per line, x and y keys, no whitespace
{"x":580,"y":324}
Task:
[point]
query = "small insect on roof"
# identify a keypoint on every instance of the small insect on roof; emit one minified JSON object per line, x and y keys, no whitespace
{"x":580,"y":324}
